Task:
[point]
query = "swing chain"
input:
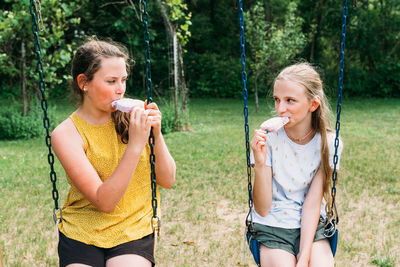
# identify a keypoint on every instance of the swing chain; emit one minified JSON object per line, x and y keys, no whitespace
{"x":38,"y":8}
{"x":333,"y":210}
{"x":155,"y":221}
{"x":249,"y":217}
{"x":46,"y":122}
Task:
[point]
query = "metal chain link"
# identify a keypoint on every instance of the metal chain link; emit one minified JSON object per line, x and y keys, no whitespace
{"x":249,"y":217}
{"x":155,"y":221}
{"x":332,"y":212}
{"x":43,"y":101}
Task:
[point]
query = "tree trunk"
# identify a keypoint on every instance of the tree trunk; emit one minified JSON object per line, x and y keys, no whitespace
{"x":176,"y":80}
{"x":171,"y":31}
{"x":185,"y":91}
{"x":258,"y":73}
{"x":24,"y":94}
{"x":315,"y":35}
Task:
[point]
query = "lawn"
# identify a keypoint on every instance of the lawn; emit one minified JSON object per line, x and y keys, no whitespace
{"x":203,"y":214}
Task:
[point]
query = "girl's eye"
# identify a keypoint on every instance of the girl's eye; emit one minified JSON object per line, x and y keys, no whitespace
{"x":290,"y":100}
{"x":111,"y":81}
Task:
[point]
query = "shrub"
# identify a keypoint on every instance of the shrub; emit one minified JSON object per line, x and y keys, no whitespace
{"x":13,"y":125}
{"x":168,"y":122}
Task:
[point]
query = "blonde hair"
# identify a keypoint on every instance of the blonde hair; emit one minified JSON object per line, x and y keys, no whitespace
{"x":87,"y":61}
{"x":306,"y":75}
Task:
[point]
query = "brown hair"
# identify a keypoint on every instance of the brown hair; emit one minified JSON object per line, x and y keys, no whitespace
{"x":306,"y":75}
{"x":87,"y":61}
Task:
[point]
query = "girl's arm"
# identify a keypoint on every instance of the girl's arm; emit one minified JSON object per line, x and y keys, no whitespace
{"x":262,"y":189}
{"x":165,"y":165}
{"x":69,"y":148}
{"x":309,"y":219}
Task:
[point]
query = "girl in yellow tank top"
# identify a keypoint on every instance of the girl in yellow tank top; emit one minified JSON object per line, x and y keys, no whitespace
{"x":106,"y":218}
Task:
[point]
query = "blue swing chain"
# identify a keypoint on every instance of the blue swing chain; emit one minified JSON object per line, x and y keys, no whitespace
{"x":155,"y":221}
{"x":46,"y":122}
{"x":333,"y":210}
{"x":249,"y":217}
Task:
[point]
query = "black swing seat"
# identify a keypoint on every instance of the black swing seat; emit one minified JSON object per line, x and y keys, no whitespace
{"x":254,"y":244}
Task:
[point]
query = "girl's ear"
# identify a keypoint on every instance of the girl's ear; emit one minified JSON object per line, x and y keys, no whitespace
{"x":81,"y":80}
{"x":315,"y":103}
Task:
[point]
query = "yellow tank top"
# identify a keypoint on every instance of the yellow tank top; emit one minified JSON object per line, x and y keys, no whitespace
{"x":131,"y":218}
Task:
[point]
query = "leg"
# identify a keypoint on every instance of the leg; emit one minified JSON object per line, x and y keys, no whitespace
{"x":274,"y":257}
{"x":321,"y":254}
{"x":128,"y":260}
{"x":78,"y":265}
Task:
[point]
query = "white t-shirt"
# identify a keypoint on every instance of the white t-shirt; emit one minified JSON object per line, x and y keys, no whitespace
{"x":293,"y":169}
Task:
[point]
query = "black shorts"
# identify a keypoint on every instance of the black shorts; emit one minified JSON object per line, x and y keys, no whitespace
{"x":72,"y":251}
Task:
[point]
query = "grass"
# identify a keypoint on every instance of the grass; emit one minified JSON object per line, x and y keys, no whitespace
{"x":203,"y":214}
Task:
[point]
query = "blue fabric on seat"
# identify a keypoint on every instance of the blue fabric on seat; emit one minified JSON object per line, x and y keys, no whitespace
{"x":254,"y":247}
{"x":333,"y":240}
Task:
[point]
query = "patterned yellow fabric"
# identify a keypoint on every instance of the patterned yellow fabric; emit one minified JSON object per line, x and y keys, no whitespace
{"x":131,"y":218}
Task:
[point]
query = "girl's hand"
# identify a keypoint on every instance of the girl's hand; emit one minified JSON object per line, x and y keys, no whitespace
{"x":259,"y":147}
{"x":154,"y":116}
{"x":139,"y":127}
{"x":301,"y":262}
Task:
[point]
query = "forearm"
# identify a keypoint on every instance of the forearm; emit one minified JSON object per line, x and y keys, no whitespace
{"x":309,"y":221}
{"x":111,"y":191}
{"x":165,"y":165}
{"x":262,"y":190}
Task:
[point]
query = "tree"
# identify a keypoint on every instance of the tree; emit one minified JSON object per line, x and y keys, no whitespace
{"x":176,"y":19}
{"x":272,"y":44}
{"x":17,"y":60}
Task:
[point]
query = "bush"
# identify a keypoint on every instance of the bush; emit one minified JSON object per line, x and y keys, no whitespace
{"x":168,"y":122}
{"x":13,"y":125}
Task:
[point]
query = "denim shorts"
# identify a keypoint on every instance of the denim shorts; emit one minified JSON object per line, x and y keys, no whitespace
{"x":72,"y":251}
{"x":286,"y":239}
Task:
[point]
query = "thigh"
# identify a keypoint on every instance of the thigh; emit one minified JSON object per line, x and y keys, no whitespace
{"x":274,"y":257}
{"x":321,"y":254}
{"x":128,"y":260}
{"x":140,"y":252}
{"x":73,"y":253}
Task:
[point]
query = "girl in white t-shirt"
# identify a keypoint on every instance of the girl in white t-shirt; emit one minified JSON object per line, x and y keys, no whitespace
{"x":293,"y":173}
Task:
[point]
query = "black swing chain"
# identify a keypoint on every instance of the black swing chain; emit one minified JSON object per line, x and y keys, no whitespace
{"x":46,"y":122}
{"x":155,"y":221}
{"x":249,"y":217}
{"x":338,"y":111}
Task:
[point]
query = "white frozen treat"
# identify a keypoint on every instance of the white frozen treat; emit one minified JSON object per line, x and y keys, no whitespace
{"x":274,"y":124}
{"x":126,"y":104}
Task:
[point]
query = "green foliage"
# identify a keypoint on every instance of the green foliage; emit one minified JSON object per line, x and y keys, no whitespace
{"x":168,"y":123}
{"x":383,"y":262}
{"x":272,"y":43}
{"x":13,"y":125}
{"x":56,"y":49}
{"x":180,"y":16}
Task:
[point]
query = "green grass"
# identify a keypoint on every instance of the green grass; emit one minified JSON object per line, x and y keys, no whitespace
{"x":203,"y":214}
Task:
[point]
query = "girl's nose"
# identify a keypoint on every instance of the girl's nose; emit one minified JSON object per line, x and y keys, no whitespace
{"x":120,"y":88}
{"x":280,"y":107}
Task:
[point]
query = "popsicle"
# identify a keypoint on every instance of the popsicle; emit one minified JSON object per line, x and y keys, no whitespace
{"x":274,"y":124}
{"x":126,"y":104}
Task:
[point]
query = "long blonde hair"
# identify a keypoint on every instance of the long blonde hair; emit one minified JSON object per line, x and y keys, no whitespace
{"x":87,"y":61}
{"x":306,"y":75}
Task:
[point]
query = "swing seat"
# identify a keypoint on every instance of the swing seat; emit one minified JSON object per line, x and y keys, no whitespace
{"x":254,"y":245}
{"x":333,"y":240}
